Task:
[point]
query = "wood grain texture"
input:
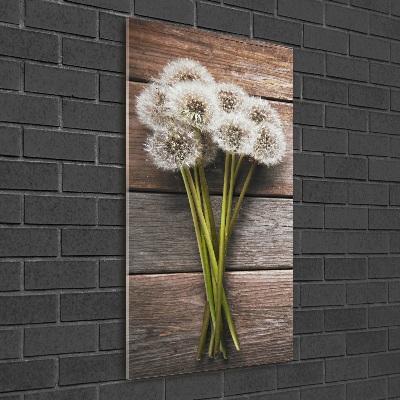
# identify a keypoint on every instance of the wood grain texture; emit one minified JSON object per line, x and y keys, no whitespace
{"x":143,"y":175}
{"x":261,"y":68}
{"x":166,"y":316}
{"x":162,"y":237}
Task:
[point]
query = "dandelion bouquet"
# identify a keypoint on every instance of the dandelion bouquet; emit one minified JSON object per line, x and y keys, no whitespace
{"x":192,"y":117}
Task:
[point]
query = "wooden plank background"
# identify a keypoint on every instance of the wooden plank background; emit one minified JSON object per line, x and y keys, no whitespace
{"x":165,"y":288}
{"x":165,"y":328}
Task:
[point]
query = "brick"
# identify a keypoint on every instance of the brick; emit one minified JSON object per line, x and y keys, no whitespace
{"x":112,"y":273}
{"x":60,"y":18}
{"x":382,"y":5}
{"x":384,"y":364}
{"x":381,"y":315}
{"x":384,"y":219}
{"x":308,"y":321}
{"x":324,"y":191}
{"x":26,"y":242}
{"x":90,"y":242}
{"x":112,"y":150}
{"x":112,"y":336}
{"x":326,"y":345}
{"x":10,"y":344}
{"x":308,"y":164}
{"x":342,"y":369}
{"x":321,"y":242}
{"x":345,"y":268}
{"x":367,"y":242}
{"x":347,"y":68}
{"x":368,"y":193}
{"x":326,"y":39}
{"x":278,"y":30}
{"x":309,"y":61}
{"x":395,"y":195}
{"x":394,"y":386}
{"x":368,"y":47}
{"x":308,"y":216}
{"x":395,"y":100}
{"x":21,"y":108}
{"x":394,"y":52}
{"x":57,"y":210}
{"x":346,"y":118}
{"x":367,"y":292}
{"x":345,"y":319}
{"x":385,"y":74}
{"x":87,"y":54}
{"x":395,"y":8}
{"x":373,"y":389}
{"x":395,"y":147}
{"x":87,"y":178}
{"x":9,"y":11}
{"x":121,"y":5}
{"x":111,"y":212}
{"x":346,"y":18}
{"x":88,"y":369}
{"x":85,"y":393}
{"x":395,"y":242}
{"x":250,"y":380}
{"x":387,"y":27}
{"x":296,"y":295}
{"x":60,"y":274}
{"x":85,"y":115}
{"x":297,"y":86}
{"x":28,"y":309}
{"x":92,"y":306}
{"x":366,"y":342}
{"x":9,"y":276}
{"x":308,"y":10}
{"x":213,"y":16}
{"x":369,"y":96}
{"x":112,"y":88}
{"x":286,"y":395}
{"x":112,"y":27}
{"x":10,"y":141}
{"x":267,"y":6}
{"x":30,"y":45}
{"x":394,"y":338}
{"x":315,"y":294}
{"x":308,"y":113}
{"x":369,"y":145}
{"x":26,"y":375}
{"x":59,"y":145}
{"x":326,"y":90}
{"x":60,"y":81}
{"x":308,"y":269}
{"x":297,"y":189}
{"x":178,"y":11}
{"x":346,"y":218}
{"x":324,"y":140}
{"x":384,"y":170}
{"x":152,"y":389}
{"x":204,"y":385}
{"x":384,"y":267}
{"x":60,"y":340}
{"x":337,"y":392}
{"x":384,"y":123}
{"x":346,"y":167}
{"x":10,"y":209}
{"x":10,"y":72}
{"x":394,"y":291}
{"x":299,"y":374}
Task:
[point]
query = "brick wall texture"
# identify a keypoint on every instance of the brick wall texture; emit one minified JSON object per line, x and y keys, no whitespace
{"x":62,"y":182}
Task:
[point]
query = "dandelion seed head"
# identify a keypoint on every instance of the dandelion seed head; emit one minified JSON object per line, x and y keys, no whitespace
{"x":184,"y":70}
{"x":231,"y":97}
{"x":259,"y":110}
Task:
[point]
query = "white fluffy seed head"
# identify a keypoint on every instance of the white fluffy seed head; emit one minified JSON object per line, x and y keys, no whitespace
{"x":233,"y":132}
{"x":150,"y":106}
{"x":231,"y":97}
{"x":174,"y":148}
{"x":193,"y":103}
{"x":184,"y":70}
{"x":267,"y":145}
{"x":259,"y":111}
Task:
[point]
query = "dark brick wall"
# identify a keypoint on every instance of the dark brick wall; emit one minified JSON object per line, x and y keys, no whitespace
{"x":62,"y":181}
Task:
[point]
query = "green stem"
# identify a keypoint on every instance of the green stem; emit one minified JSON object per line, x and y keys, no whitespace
{"x":221,"y":258}
{"x":239,"y":164}
{"x":204,"y":330}
{"x":230,"y":198}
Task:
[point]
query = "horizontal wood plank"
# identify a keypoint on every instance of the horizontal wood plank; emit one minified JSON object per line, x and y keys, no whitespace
{"x":261,"y":68}
{"x":165,"y":318}
{"x":162,"y":237}
{"x":143,"y":175}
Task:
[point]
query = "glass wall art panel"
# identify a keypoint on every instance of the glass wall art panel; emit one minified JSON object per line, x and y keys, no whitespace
{"x":209,"y":201}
